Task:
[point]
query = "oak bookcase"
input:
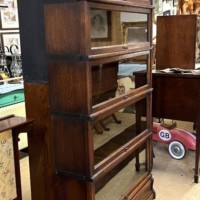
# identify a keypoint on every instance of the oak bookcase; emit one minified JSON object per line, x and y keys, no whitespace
{"x":77,"y":94}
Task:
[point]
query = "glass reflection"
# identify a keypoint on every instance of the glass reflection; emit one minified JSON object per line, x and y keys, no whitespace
{"x":120,"y":180}
{"x":116,"y":130}
{"x":116,"y":28}
{"x":117,"y":78}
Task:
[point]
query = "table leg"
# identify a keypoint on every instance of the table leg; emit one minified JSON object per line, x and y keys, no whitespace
{"x":196,"y":173}
{"x":17,"y":164}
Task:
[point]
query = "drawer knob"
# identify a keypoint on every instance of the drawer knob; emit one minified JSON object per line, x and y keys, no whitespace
{"x":126,"y":149}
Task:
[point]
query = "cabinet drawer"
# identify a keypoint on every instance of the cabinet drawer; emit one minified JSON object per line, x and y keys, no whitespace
{"x":142,"y":191}
{"x":11,"y":98}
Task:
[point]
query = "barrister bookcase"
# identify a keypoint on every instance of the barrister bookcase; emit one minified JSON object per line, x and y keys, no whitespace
{"x":84,"y":49}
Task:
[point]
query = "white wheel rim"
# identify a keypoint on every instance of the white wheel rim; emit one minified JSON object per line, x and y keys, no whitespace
{"x":176,"y":150}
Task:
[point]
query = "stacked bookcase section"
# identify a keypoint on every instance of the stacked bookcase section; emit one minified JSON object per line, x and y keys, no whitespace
{"x":99,"y":128}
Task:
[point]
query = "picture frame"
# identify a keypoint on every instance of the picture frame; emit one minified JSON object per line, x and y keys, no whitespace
{"x":158,"y":6}
{"x":100,"y":24}
{"x":9,"y":16}
{"x":175,"y":2}
{"x":135,"y":32}
{"x":139,"y":34}
{"x":11,"y":43}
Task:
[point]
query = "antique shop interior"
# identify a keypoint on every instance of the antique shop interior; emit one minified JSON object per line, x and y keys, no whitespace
{"x":99,"y":99}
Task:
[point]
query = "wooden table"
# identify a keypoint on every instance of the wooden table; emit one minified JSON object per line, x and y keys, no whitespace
{"x":17,"y":125}
{"x":176,"y":96}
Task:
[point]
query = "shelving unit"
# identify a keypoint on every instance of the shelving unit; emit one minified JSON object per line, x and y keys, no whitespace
{"x":78,"y":100}
{"x":80,"y":93}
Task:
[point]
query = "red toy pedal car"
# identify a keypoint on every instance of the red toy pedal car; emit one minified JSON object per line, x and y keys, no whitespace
{"x":178,"y":140}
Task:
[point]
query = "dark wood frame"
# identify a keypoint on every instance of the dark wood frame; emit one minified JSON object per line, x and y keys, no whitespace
{"x":108,"y":28}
